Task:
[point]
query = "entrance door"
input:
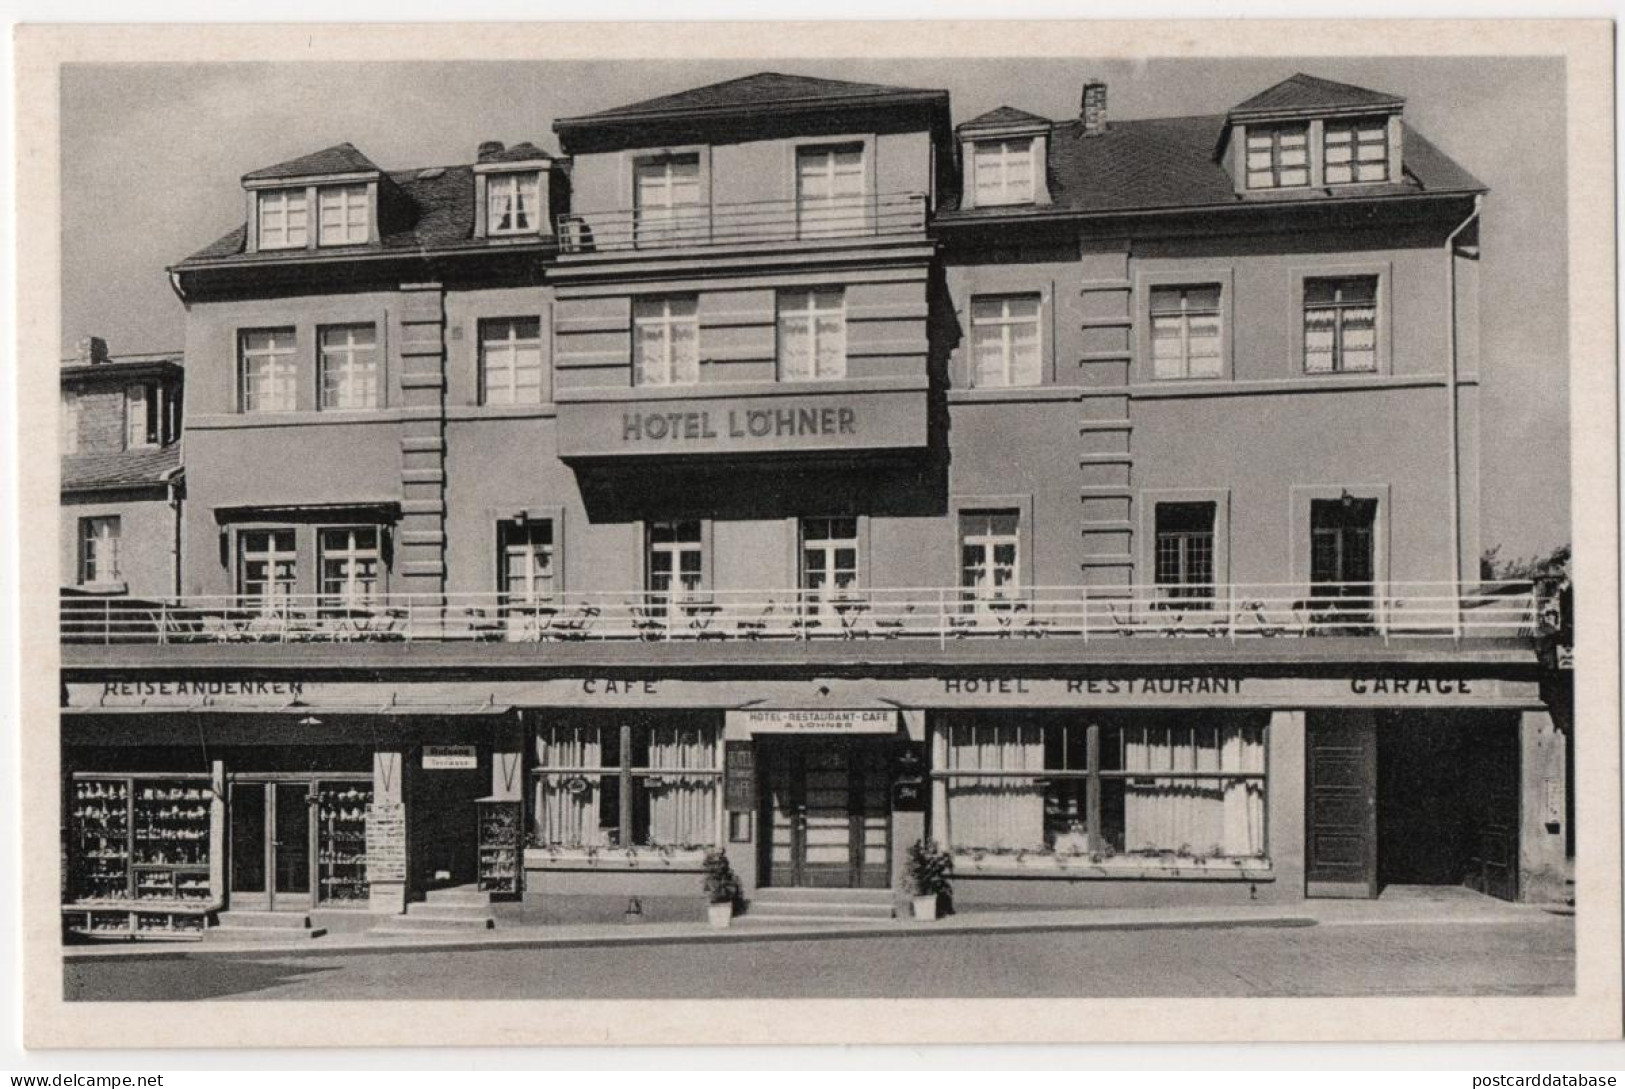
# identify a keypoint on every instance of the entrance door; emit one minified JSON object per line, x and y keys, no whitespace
{"x":1341,"y":791}
{"x":1491,"y":802}
{"x":270,"y":846}
{"x":826,"y":809}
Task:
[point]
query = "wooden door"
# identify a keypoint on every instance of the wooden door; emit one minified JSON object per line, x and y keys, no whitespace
{"x":1491,"y":802}
{"x":1340,"y":832}
{"x":827,"y":817}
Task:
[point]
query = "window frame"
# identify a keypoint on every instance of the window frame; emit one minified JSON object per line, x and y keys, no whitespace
{"x":1183,"y":591}
{"x":839,"y":214}
{"x":667,"y":322}
{"x":810,"y":314}
{"x":272,"y":555}
{"x":1354,"y":126}
{"x":1275,"y":130}
{"x":1005,"y":198}
{"x":554,"y":552}
{"x":513,"y":344}
{"x":89,"y":542}
{"x":1185,"y":315}
{"x":1383,"y":272}
{"x":1339,"y":308}
{"x":701,"y":546}
{"x":351,"y":195}
{"x":283,"y":370}
{"x":979,"y":598}
{"x":349,"y":352}
{"x":519,"y":181}
{"x":351,"y":554}
{"x":143,"y":430}
{"x":661,"y":224}
{"x":1006,"y":325}
{"x":282,"y":196}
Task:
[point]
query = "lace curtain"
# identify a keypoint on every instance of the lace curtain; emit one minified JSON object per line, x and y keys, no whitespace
{"x":682,"y":808}
{"x":996,"y":813}
{"x":566,"y":809}
{"x":1206,"y":817}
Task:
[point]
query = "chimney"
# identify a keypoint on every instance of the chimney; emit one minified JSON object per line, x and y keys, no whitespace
{"x":1094,"y":107}
{"x":90,"y":350}
{"x":490,"y":149}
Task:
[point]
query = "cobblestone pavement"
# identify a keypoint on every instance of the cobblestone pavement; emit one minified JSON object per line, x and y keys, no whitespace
{"x":1532,"y":955}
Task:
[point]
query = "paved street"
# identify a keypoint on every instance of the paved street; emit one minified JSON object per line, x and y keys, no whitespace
{"x":1534,"y":955}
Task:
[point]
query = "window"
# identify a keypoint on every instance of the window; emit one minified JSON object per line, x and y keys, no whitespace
{"x":1277,"y":158}
{"x":525,"y":561}
{"x":830,"y":189}
{"x":1340,"y":325}
{"x":284,"y":221}
{"x":1190,"y":785}
{"x":349,"y":563}
{"x":1187,"y":332}
{"x":349,"y":366}
{"x":513,"y":202}
{"x":1004,"y":171}
{"x":676,"y":560}
{"x":267,"y":568}
{"x":143,"y":415}
{"x":812,"y":335}
{"x":644,"y":784}
{"x":68,"y":439}
{"x":343,"y":214}
{"x":665,"y":342}
{"x":1342,"y":557}
{"x":511,"y":361}
{"x":667,"y":192}
{"x":99,"y":550}
{"x":1005,"y":341}
{"x":1184,"y":560}
{"x":989,"y":557}
{"x":1357,"y":151}
{"x":268,"y":371}
{"x":829,"y":561}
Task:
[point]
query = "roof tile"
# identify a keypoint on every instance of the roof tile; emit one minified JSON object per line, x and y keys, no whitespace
{"x":1005,"y":115}
{"x":763,"y":88}
{"x":1305,"y":92}
{"x":119,"y":469}
{"x":338,"y":159}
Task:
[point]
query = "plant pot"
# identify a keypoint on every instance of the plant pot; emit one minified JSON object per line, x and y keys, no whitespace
{"x":925,"y":908}
{"x":720,"y":914}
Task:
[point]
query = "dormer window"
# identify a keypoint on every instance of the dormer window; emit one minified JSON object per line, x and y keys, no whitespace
{"x":1357,"y":151}
{"x":515,"y":202}
{"x":344,"y":215}
{"x":1277,"y":156}
{"x":1003,"y":171}
{"x":284,"y":219}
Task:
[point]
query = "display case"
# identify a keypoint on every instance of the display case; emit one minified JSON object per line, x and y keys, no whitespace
{"x":139,"y":856}
{"x":501,"y":846}
{"x":341,"y":842}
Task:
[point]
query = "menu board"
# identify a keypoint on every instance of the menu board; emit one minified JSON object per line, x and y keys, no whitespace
{"x":386,"y":842}
{"x":739,"y":776}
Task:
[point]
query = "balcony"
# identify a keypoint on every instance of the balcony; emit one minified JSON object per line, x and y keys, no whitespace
{"x":777,"y":221}
{"x":1232,"y":614}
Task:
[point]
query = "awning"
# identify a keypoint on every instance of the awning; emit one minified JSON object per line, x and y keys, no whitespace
{"x":365,"y":510}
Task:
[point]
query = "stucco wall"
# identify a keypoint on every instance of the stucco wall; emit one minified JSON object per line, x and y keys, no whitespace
{"x":147,"y":540}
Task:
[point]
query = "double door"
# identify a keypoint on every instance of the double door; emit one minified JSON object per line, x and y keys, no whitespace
{"x":826,"y":811}
{"x":298,"y":843}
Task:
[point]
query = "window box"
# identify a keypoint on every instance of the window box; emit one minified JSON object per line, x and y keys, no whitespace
{"x":658,"y":859}
{"x":1074,"y":867}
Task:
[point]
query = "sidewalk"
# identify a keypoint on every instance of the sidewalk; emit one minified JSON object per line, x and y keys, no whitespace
{"x":1396,"y":906}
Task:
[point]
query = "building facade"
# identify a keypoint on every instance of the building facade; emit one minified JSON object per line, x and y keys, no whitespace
{"x":783,"y":468}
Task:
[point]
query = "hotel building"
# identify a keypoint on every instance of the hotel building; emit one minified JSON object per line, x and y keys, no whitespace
{"x":785,"y":468}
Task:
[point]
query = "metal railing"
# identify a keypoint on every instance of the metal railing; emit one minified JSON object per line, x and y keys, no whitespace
{"x":735,"y":224}
{"x":942,"y":615}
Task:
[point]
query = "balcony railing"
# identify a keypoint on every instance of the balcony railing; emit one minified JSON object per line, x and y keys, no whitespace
{"x":1221,"y":612}
{"x":738,"y":224}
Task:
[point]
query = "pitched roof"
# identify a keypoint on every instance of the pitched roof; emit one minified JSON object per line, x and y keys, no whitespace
{"x":338,"y":159}
{"x":761,"y":89}
{"x":524,"y":152}
{"x":1005,"y":115}
{"x":119,"y":469}
{"x":438,"y":215}
{"x":1168,"y":163}
{"x":1305,"y":92}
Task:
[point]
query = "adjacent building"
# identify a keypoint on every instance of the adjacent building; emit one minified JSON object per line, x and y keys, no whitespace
{"x":785,"y":468}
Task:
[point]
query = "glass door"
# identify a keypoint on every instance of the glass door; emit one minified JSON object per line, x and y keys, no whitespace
{"x":249,"y":846}
{"x":290,"y":850}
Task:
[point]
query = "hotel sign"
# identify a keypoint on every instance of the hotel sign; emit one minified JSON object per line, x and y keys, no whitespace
{"x":853,"y":420}
{"x":812,"y":722}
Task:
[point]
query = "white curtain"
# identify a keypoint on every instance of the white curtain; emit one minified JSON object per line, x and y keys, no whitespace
{"x":566,"y":817}
{"x":682,"y":808}
{"x":995,"y":813}
{"x":1203,"y":817}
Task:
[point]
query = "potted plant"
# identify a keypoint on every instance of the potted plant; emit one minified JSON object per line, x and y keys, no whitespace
{"x":928,"y":870}
{"x":721,"y":887}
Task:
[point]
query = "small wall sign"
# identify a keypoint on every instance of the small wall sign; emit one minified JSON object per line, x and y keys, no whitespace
{"x":450,"y":758}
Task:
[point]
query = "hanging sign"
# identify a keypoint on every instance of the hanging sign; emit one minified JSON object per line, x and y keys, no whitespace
{"x":450,"y":758}
{"x":812,"y":722}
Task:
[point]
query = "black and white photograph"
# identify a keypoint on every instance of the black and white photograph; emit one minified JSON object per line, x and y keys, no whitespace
{"x":1052,"y":525}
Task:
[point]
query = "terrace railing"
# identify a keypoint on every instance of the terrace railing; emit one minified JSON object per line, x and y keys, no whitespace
{"x":1232,"y":612}
{"x":698,"y":225}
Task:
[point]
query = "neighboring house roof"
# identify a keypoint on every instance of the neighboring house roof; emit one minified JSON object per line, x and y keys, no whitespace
{"x":124,"y":366}
{"x":119,"y":469}
{"x":338,"y":159}
{"x":440,"y":216}
{"x":1305,"y":92}
{"x":1003,"y":116}
{"x":520,"y":153}
{"x":760,"y":89}
{"x":1168,"y":163}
